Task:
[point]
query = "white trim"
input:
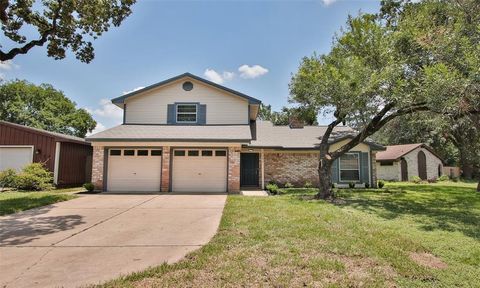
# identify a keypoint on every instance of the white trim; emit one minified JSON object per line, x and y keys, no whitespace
{"x":262,"y":157}
{"x":189,"y":113}
{"x":340,"y":168}
{"x":57,"y":162}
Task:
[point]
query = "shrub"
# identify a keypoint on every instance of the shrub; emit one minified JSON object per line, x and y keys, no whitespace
{"x":443,"y":178}
{"x":367,"y":185}
{"x":416,"y":180}
{"x":351,"y":185}
{"x":380,"y":184}
{"x":7,"y":178}
{"x":432,"y":180}
{"x":288,"y":185}
{"x":89,"y":187}
{"x":272,"y":188}
{"x":34,"y":177}
{"x":308,"y":184}
{"x":455,"y":179}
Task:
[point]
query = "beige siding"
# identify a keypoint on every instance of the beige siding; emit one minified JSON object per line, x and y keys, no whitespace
{"x":151,"y":106}
{"x":389,"y":173}
{"x":432,"y":163}
{"x":360,"y":147}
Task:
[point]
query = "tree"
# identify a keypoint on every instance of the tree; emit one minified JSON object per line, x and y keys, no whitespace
{"x":409,"y":58}
{"x":305,"y":114}
{"x":43,"y":107}
{"x":62,"y":24}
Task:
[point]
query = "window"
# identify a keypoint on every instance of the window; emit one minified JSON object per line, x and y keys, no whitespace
{"x":142,"y":152}
{"x":193,"y":153}
{"x":156,"y":153}
{"x":179,"y":153}
{"x":207,"y":153}
{"x":115,"y":152}
{"x":128,"y":152}
{"x":220,"y":153}
{"x":349,"y":167}
{"x":386,"y":163}
{"x":186,"y":113}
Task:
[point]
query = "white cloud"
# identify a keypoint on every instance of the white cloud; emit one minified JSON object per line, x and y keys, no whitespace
{"x":251,"y":72}
{"x":328,"y":2}
{"x":133,"y":90}
{"x":8,"y":65}
{"x":228,"y":75}
{"x":99,"y":128}
{"x":108,"y":110}
{"x":218,"y":78}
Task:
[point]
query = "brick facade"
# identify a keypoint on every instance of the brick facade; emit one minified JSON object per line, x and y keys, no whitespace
{"x":233,"y":170}
{"x":165,"y":182}
{"x":295,"y":168}
{"x":97,"y":167}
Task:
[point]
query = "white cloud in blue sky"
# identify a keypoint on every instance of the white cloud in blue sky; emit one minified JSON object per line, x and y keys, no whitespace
{"x":328,"y":2}
{"x":251,"y":72}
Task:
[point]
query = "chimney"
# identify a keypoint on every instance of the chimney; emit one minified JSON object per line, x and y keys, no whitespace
{"x":295,"y":123}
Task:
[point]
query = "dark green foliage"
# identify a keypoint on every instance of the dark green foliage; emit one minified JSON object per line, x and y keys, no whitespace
{"x":308,"y":184}
{"x":306,"y":115}
{"x":351,"y":185}
{"x":443,"y":178}
{"x":272,"y":188}
{"x":89,"y":187}
{"x":34,"y":177}
{"x":7,"y":178}
{"x":380,"y":184}
{"x":288,"y":185}
{"x":43,"y":107}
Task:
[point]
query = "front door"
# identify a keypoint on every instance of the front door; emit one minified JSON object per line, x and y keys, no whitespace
{"x":249,"y":169}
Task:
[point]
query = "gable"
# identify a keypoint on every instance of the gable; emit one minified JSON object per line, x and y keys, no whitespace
{"x":151,"y":105}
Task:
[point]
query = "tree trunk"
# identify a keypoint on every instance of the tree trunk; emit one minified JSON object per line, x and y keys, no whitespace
{"x":325,"y":181}
{"x":478,"y":186}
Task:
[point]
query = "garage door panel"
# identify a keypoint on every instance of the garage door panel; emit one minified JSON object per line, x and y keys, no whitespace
{"x":199,"y":173}
{"x":134,"y":173}
{"x":15,"y":157}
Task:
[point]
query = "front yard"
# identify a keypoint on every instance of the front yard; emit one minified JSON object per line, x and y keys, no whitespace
{"x":405,"y":235}
{"x":12,"y":202}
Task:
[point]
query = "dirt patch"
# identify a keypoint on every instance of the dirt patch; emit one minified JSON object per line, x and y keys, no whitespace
{"x":427,"y":260}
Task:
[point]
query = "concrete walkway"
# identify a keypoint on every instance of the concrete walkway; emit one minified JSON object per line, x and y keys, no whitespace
{"x":95,"y":238}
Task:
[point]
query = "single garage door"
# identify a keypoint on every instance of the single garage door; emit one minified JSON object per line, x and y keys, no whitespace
{"x":199,"y":170}
{"x":15,"y":157}
{"x":134,"y":170}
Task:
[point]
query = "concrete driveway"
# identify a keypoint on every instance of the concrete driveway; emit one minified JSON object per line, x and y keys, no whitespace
{"x":95,"y":238}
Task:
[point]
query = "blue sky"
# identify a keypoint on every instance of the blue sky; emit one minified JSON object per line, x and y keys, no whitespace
{"x":250,"y":46}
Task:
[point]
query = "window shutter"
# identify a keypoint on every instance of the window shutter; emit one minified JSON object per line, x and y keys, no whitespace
{"x":202,"y":114}
{"x":364,"y":168}
{"x":335,"y":171}
{"x":171,"y":114}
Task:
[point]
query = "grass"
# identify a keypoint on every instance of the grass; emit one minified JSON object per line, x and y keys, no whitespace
{"x":404,"y":235}
{"x":16,"y":201}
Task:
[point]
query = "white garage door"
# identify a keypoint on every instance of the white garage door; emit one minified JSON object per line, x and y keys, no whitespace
{"x":134,"y":170}
{"x":199,"y":170}
{"x":15,"y":157}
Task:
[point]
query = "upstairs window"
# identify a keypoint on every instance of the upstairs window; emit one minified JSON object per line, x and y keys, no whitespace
{"x":349,"y":167}
{"x":186,"y":113}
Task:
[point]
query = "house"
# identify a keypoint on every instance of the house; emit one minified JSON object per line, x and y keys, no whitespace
{"x":402,"y":162}
{"x":187,"y":134}
{"x":68,"y":157}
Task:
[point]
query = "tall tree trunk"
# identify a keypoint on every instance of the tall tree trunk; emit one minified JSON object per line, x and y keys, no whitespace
{"x":324,"y":173}
{"x":478,"y":186}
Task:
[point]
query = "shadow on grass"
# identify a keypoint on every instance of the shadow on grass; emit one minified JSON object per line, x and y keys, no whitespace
{"x":13,"y":205}
{"x":433,"y":207}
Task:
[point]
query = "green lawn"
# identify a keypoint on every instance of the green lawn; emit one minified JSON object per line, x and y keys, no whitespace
{"x":405,"y":235}
{"x":12,"y":202}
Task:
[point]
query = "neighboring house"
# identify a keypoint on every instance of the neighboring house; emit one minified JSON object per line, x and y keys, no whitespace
{"x":68,"y":157}
{"x":187,"y":134}
{"x":402,"y":162}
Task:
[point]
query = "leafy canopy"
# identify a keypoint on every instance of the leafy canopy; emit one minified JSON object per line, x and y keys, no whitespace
{"x":62,"y":24}
{"x":43,"y":107}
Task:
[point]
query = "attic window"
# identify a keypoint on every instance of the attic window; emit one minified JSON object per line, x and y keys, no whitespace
{"x":187,"y":86}
{"x":186,"y":113}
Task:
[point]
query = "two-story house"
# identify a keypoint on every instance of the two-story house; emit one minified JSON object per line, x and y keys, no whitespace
{"x":187,"y":134}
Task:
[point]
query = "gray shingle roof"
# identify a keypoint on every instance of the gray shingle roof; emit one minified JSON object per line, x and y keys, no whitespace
{"x":207,"y":133}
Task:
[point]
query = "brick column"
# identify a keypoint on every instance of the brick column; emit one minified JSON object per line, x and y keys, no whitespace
{"x":97,"y":167}
{"x":233,"y":170}
{"x":373,"y":159}
{"x":165,"y":182}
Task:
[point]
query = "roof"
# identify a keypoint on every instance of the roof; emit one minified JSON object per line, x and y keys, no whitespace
{"x":181,"y":133}
{"x":59,"y":136}
{"x":267,"y":135}
{"x":395,"y":152}
{"x":121,"y":99}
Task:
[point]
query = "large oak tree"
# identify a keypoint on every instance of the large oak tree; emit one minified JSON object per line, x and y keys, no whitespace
{"x":60,"y":24}
{"x":409,"y":58}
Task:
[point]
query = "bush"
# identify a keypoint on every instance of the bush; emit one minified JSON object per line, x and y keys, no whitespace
{"x":455,"y":179}
{"x":34,"y":177}
{"x":443,"y":178}
{"x":380,"y":184}
{"x":432,"y":180}
{"x":272,"y":188}
{"x":416,"y":180}
{"x":351,"y":185}
{"x":288,"y":185}
{"x":7,"y":178}
{"x":308,"y":184}
{"x":89,"y":187}
{"x":367,"y":185}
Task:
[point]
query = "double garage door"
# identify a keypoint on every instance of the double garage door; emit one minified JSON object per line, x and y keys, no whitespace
{"x":15,"y":157}
{"x":192,"y":170}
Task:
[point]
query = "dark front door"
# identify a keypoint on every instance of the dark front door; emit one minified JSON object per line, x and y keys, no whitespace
{"x":422,"y":165}
{"x":249,"y":169}
{"x":404,"y":169}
